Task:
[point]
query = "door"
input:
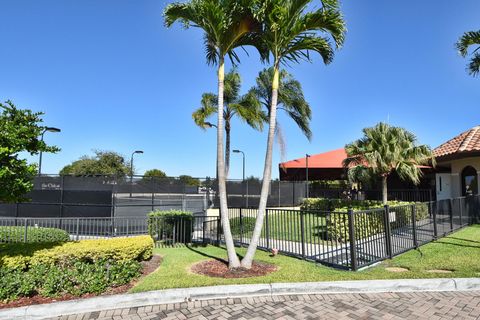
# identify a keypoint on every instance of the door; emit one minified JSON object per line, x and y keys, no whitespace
{"x":444,"y":186}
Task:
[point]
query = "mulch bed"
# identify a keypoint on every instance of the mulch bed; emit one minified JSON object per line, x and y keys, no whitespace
{"x":219,"y":269}
{"x":147,"y":268}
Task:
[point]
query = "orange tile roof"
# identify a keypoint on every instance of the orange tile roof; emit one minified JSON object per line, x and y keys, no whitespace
{"x":331,"y":159}
{"x":465,"y":142}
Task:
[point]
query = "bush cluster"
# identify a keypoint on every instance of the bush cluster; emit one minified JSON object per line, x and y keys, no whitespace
{"x":77,"y":279}
{"x":248,"y":224}
{"x":23,"y":256}
{"x":34,"y":234}
{"x":170,"y":226}
{"x":76,"y":268}
{"x":366,"y":223}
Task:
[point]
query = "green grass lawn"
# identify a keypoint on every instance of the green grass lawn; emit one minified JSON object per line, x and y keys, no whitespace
{"x":284,"y":225}
{"x":459,"y":252}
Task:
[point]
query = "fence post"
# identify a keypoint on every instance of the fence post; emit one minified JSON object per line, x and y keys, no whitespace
{"x":351,"y":234}
{"x":241,"y":227}
{"x":388,"y":232}
{"x":78,"y":229}
{"x":433,"y":212}
{"x":460,"y":209}
{"x":451,"y":214}
{"x":219,"y":226}
{"x":25,"y":239}
{"x":128,"y":228}
{"x":302,"y":230}
{"x":414,"y":225}
{"x":204,"y":224}
{"x":267,"y":229}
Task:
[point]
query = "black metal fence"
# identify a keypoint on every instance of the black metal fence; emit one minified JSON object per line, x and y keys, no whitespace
{"x":355,"y":239}
{"x":164,"y":231}
{"x":348,"y":240}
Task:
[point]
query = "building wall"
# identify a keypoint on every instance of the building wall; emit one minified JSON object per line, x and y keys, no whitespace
{"x":457,"y":168}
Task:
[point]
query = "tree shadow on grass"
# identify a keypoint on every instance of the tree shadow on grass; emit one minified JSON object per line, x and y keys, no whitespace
{"x":462,"y":239}
{"x":191,"y":248}
{"x":442,"y":241}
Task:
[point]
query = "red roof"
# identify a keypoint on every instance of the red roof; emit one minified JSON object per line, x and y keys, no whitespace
{"x":327,"y":160}
{"x":465,"y":142}
{"x":330,"y":159}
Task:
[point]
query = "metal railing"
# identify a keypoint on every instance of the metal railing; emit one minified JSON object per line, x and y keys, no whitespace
{"x":355,"y":239}
{"x":348,"y":239}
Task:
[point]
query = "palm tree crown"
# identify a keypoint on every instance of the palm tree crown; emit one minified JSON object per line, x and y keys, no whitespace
{"x":290,"y":98}
{"x":470,"y":39}
{"x":247,"y":108}
{"x":384,"y":149}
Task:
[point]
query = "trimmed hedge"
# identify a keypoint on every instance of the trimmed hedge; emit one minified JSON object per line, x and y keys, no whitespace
{"x":247,"y":222}
{"x":170,"y":226}
{"x":34,"y":234}
{"x":23,"y":256}
{"x":366,"y":224}
{"x":53,"y":281}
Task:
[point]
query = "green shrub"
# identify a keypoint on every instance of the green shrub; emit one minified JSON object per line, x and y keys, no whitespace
{"x":77,"y":279}
{"x":23,"y":256}
{"x":34,"y":234}
{"x":247,"y":222}
{"x":170,"y":226}
{"x":366,"y":224}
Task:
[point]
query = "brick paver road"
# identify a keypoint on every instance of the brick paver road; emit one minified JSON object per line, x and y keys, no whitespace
{"x":421,"y":305}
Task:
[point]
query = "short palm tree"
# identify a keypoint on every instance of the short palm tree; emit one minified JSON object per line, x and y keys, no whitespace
{"x":227,"y":25}
{"x":290,"y":98}
{"x":291,"y":33}
{"x":468,"y":40}
{"x":384,"y":149}
{"x":246,"y":108}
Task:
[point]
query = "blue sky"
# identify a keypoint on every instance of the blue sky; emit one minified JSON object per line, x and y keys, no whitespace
{"x":112,"y":77}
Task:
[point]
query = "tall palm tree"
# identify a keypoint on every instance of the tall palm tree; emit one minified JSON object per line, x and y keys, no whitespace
{"x":291,"y":33}
{"x":384,"y":149}
{"x":470,"y":39}
{"x":247,"y":108}
{"x":227,"y":25}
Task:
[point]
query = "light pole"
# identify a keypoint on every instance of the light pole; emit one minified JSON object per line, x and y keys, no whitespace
{"x":306,"y":160}
{"x":243,"y":179}
{"x":131,"y":170}
{"x":49,"y":129}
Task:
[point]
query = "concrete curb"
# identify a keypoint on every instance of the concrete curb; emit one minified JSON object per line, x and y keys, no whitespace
{"x":121,"y":301}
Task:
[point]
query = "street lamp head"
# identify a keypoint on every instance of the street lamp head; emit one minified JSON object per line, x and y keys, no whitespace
{"x":307,"y":155}
{"x":236,"y":151}
{"x":138,"y":151}
{"x":209,"y":124}
{"x":52,"y":129}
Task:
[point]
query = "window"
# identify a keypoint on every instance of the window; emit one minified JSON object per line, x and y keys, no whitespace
{"x":469,"y":181}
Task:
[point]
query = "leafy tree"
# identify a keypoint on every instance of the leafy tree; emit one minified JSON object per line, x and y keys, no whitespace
{"x":384,"y":149}
{"x":19,"y":132}
{"x":468,"y":40}
{"x":154,"y":173}
{"x":246,"y":108}
{"x":227,"y":25}
{"x":291,"y":33}
{"x":189,"y":181}
{"x":105,"y":163}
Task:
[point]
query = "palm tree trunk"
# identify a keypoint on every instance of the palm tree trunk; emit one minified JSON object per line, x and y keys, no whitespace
{"x":384,"y":190}
{"x":227,"y":147}
{"x":267,"y":175}
{"x":233,"y":261}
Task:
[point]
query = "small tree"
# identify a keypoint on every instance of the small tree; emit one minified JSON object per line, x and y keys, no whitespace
{"x":384,"y":149}
{"x":106,"y":163}
{"x":19,"y":132}
{"x":155,"y":173}
{"x":468,"y":40}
